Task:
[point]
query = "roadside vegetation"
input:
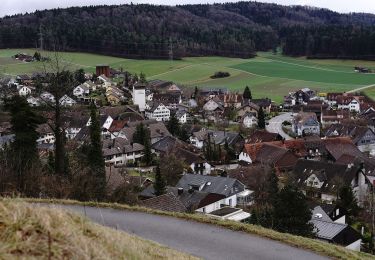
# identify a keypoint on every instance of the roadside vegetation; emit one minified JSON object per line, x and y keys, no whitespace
{"x":44,"y":233}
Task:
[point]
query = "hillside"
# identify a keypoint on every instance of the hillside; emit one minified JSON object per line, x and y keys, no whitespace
{"x":231,"y":29}
{"x":27,"y":232}
{"x":267,"y":75}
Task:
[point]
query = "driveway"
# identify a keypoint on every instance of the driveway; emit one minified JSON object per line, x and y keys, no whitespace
{"x":275,"y":124}
{"x":201,"y":240}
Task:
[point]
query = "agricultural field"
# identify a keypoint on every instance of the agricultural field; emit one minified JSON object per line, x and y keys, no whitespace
{"x":267,"y":75}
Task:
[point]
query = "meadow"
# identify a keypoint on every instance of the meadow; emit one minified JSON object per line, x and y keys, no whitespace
{"x":267,"y":75}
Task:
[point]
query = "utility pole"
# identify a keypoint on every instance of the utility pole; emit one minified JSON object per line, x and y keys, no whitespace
{"x":171,"y":51}
{"x":41,"y":37}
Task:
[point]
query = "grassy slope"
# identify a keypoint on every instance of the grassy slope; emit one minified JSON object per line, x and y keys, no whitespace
{"x":330,"y":250}
{"x":42,"y":233}
{"x":267,"y":75}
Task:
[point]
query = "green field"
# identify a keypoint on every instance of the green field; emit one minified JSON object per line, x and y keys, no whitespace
{"x":267,"y":74}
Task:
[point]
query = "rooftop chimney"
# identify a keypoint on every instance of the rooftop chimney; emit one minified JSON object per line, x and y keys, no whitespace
{"x":180,"y":191}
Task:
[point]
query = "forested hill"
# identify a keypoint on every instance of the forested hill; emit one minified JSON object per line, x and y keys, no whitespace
{"x":232,"y":29}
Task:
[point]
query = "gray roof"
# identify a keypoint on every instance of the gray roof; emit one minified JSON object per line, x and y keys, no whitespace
{"x":327,"y":229}
{"x":212,"y":184}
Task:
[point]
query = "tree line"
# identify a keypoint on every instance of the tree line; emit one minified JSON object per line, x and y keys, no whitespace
{"x":231,"y":29}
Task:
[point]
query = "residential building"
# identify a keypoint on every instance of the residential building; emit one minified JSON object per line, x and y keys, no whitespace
{"x":67,"y":101}
{"x":158,"y":112}
{"x":249,"y":120}
{"x":118,"y":151}
{"x":306,"y":124}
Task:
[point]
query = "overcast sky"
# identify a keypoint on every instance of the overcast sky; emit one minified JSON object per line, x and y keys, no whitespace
{"x":9,"y":7}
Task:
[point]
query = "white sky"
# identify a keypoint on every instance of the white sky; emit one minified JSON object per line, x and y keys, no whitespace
{"x":9,"y":7}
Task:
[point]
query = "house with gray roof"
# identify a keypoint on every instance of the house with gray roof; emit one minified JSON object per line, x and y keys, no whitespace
{"x":210,"y":195}
{"x":6,"y":140}
{"x":333,"y":231}
{"x":233,"y":190}
{"x":119,"y":151}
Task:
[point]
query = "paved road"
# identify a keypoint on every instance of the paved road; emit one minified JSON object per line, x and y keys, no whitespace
{"x":361,"y":88}
{"x":201,"y":240}
{"x":275,"y":125}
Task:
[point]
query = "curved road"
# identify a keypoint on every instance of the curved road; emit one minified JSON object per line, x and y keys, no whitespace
{"x":275,"y":125}
{"x":201,"y":240}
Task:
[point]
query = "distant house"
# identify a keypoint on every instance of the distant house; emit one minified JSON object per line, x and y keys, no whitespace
{"x":249,"y":120}
{"x":234,"y":139}
{"x":24,"y":91}
{"x":118,"y":151}
{"x":260,"y":136}
{"x":159,"y":112}
{"x":67,"y":101}
{"x":81,"y":91}
{"x":234,"y":191}
{"x":350,"y":102}
{"x":269,"y":154}
{"x":170,"y":99}
{"x":333,"y":231}
{"x":212,"y":195}
{"x":306,"y":124}
{"x":248,"y":108}
{"x":232,"y":100}
{"x":182,"y":116}
{"x":329,"y":117}
{"x":47,"y":97}
{"x":186,"y":153}
{"x":264,"y":103}
{"x":213,"y":106}
{"x":323,"y":180}
{"x":363,"y":137}
{"x":46,"y":135}
{"x":33,"y":101}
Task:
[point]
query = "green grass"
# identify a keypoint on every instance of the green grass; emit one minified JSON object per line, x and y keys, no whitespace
{"x":322,"y":248}
{"x":268,"y":75}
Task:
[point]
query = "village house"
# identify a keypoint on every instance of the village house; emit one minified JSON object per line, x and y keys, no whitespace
{"x":262,"y":136}
{"x":329,"y":117}
{"x":248,"y":108}
{"x":306,"y":124}
{"x":362,"y":136}
{"x":33,"y":101}
{"x":67,"y":101}
{"x":158,"y":112}
{"x":331,"y":227}
{"x":213,"y":109}
{"x":274,"y":156}
{"x":182,"y":116}
{"x":24,"y":91}
{"x":264,"y":103}
{"x":249,"y":120}
{"x":352,"y":103}
{"x":299,"y":97}
{"x":157,"y":130}
{"x":46,"y":135}
{"x":118,"y":151}
{"x":171,"y":99}
{"x":186,"y":153}
{"x":81,"y":92}
{"x":233,"y":139}
{"x":232,"y":100}
{"x":322,"y":180}
{"x":47,"y":97}
{"x":215,"y":196}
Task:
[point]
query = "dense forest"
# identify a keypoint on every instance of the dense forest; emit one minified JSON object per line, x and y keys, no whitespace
{"x":231,"y":29}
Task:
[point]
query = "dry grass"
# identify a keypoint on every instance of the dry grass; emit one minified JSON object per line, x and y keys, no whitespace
{"x":44,"y":233}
